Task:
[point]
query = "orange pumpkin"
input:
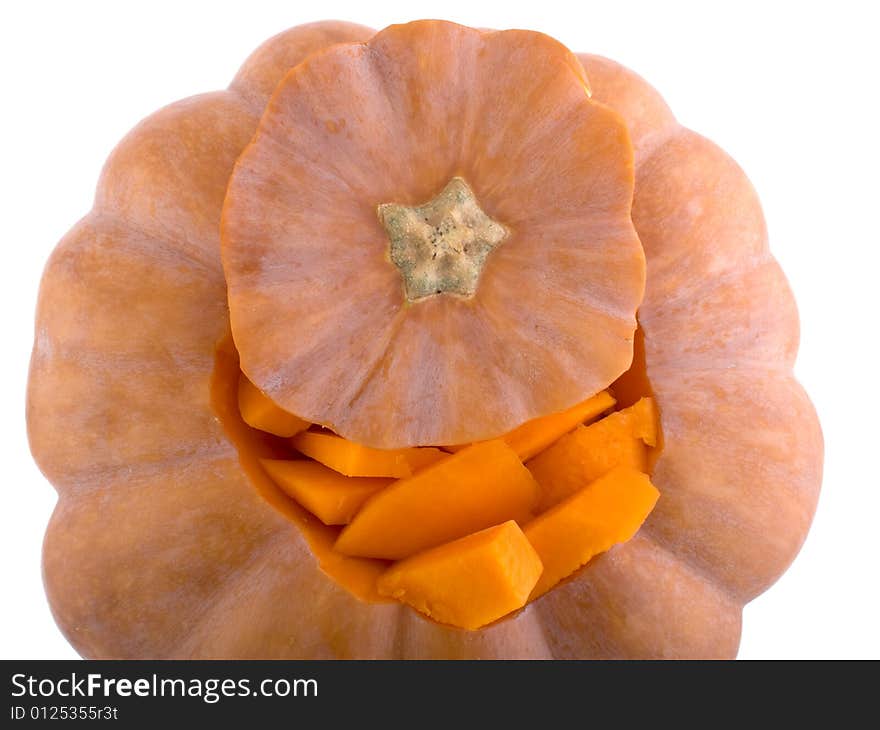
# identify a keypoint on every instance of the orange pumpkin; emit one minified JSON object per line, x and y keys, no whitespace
{"x":416,"y":145}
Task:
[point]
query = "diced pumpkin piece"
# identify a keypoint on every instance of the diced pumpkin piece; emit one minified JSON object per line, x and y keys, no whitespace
{"x":588,"y":452}
{"x":332,"y":497}
{"x":355,"y":460}
{"x":602,"y":514}
{"x":536,"y":435}
{"x":469,"y":582}
{"x":482,"y":485}
{"x":260,"y":412}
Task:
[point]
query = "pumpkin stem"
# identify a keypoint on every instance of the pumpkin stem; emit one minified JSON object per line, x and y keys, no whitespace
{"x":441,"y":247}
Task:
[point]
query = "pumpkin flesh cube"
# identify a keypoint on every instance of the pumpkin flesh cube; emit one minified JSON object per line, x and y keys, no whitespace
{"x":589,"y":452}
{"x":602,"y":514}
{"x":332,"y":497}
{"x":355,"y":460}
{"x":480,"y":486}
{"x":536,"y":435}
{"x":260,"y":412}
{"x":470,"y":582}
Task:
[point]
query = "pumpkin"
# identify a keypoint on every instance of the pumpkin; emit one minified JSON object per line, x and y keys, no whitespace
{"x":441,"y":285}
{"x":586,"y":453}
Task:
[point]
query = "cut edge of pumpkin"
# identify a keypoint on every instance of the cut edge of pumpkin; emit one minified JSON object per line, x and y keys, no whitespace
{"x":356,"y":575}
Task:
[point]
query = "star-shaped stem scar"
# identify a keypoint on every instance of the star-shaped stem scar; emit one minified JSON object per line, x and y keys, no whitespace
{"x":441,"y":247}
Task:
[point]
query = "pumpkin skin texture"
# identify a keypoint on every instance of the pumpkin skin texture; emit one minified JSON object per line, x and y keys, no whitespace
{"x":741,"y":438}
{"x":161,"y":546}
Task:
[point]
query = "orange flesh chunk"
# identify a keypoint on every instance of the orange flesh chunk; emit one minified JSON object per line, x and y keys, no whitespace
{"x":482,"y":485}
{"x":469,"y":582}
{"x":588,"y":452}
{"x":354,"y":460}
{"x":534,"y":436}
{"x":602,"y":514}
{"x":260,"y":412}
{"x":331,"y":497}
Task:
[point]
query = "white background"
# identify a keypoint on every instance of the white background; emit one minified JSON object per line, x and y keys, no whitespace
{"x":789,"y":89}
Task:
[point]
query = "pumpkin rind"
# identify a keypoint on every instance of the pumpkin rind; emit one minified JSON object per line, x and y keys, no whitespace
{"x":111,"y":387}
{"x":744,"y":446}
{"x":639,"y":601}
{"x":137,"y":559}
{"x":264,"y":68}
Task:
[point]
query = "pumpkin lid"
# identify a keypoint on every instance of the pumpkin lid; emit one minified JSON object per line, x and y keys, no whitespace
{"x":428,"y":240}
